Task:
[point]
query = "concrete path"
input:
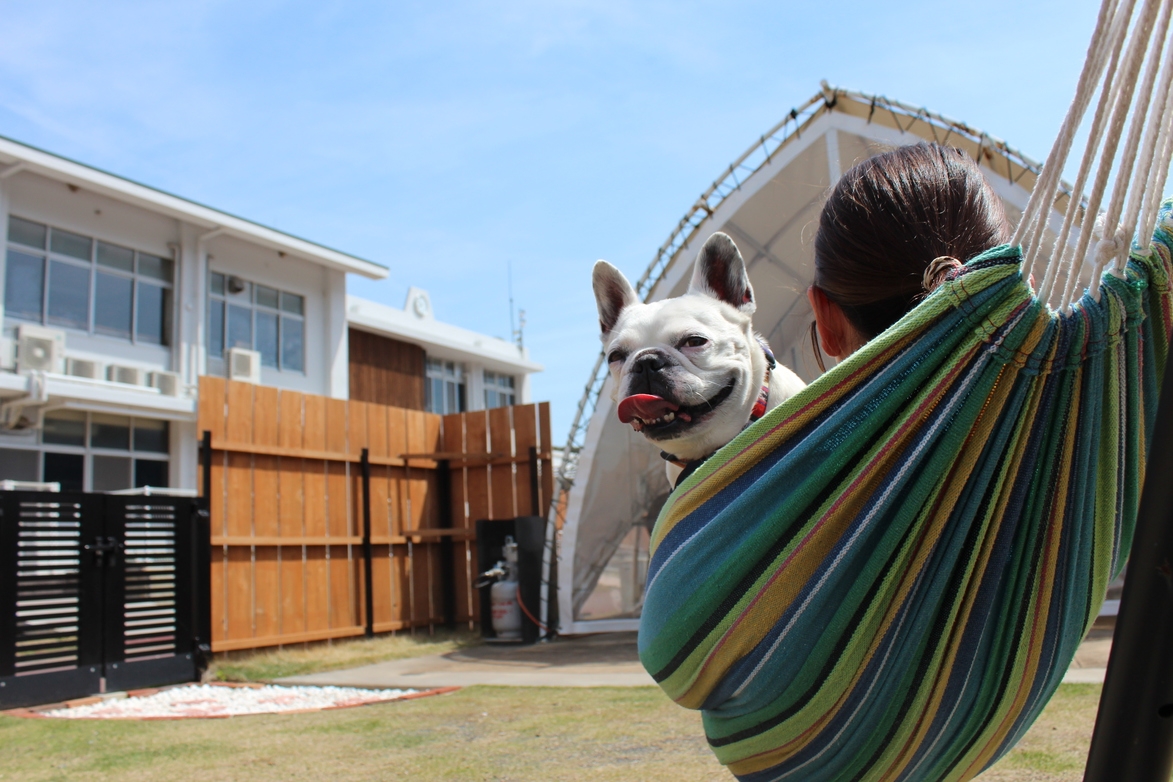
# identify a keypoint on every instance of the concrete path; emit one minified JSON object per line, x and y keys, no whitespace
{"x":605,"y":660}
{"x":1091,"y":659}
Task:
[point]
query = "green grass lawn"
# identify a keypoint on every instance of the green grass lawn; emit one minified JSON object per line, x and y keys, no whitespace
{"x":266,"y":665}
{"x":478,"y":733}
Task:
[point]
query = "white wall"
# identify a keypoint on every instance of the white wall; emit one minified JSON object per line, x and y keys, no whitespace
{"x":3,"y":237}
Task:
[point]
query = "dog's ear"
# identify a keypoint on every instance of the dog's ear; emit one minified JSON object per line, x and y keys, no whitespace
{"x":720,"y":273}
{"x":612,"y":293}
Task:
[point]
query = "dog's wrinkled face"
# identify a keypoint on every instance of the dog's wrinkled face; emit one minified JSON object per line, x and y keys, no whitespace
{"x":686,"y":371}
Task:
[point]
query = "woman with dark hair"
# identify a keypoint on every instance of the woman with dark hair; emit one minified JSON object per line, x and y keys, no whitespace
{"x":889,"y":233}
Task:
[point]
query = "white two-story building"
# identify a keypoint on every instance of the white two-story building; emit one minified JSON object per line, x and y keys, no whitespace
{"x":115,"y":297}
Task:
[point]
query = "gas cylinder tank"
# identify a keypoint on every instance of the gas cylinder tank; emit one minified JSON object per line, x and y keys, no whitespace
{"x":506,"y":612}
{"x":503,"y":598}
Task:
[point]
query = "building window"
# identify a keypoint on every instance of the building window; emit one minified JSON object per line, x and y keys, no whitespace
{"x":90,"y":452}
{"x":256,"y":317}
{"x":445,"y":387}
{"x":60,"y":278}
{"x":499,"y":390}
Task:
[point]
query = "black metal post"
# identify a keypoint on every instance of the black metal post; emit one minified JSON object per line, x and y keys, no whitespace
{"x":206,"y":463}
{"x":447,"y":563}
{"x":1133,"y":738}
{"x":201,"y":550}
{"x":367,"y":553}
{"x":201,"y":561}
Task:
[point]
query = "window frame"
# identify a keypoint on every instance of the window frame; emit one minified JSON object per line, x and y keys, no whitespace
{"x":88,"y":451}
{"x":248,"y":299}
{"x":492,"y":383}
{"x":48,"y":257}
{"x":452,"y":377}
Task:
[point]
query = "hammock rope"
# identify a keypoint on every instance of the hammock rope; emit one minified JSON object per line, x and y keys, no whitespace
{"x":887,"y":576}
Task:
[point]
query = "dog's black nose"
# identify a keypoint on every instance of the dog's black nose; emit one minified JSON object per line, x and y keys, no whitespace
{"x":649,"y":363}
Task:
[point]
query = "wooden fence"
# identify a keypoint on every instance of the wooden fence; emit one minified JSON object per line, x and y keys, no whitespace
{"x":286,"y":489}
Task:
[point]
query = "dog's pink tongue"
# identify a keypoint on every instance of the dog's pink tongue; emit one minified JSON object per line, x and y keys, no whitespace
{"x":645,"y":406}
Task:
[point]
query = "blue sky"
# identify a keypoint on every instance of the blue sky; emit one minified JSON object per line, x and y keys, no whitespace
{"x":449,"y":140}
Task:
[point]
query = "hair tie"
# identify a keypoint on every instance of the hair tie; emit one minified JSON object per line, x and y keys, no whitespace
{"x":939,"y":271}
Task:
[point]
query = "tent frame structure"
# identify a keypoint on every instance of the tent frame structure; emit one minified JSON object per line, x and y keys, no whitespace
{"x":897,"y":122}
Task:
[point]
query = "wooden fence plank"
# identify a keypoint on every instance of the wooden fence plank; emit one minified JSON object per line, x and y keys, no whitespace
{"x":547,"y":444}
{"x":291,"y":419}
{"x":358,"y":434}
{"x":477,"y":477}
{"x":317,"y":589}
{"x":239,"y":425}
{"x":293,"y":594}
{"x":525,"y":433}
{"x":336,"y":433}
{"x":267,"y":591}
{"x":239,"y":579}
{"x":314,"y":436}
{"x":501,"y":477}
{"x":219,"y":597}
{"x":462,"y":550}
{"x":266,"y":416}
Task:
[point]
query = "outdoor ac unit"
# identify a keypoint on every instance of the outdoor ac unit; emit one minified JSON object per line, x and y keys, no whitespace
{"x":84,"y":367}
{"x":8,"y":354}
{"x":132,"y":376}
{"x":244,"y":365}
{"x":39,"y":349}
{"x":167,"y":383}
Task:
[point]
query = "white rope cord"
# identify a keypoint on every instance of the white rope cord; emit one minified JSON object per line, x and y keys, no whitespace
{"x":1047,"y":185}
{"x":1150,"y":148}
{"x":1111,"y":250}
{"x":1159,"y":172}
{"x":1121,"y":101}
{"x":1062,"y":252}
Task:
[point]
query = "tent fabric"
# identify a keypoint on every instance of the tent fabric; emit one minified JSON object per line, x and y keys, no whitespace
{"x":887,"y":576}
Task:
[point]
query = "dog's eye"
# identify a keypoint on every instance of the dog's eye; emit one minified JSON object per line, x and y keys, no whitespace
{"x":694,"y":342}
{"x":616,"y":355}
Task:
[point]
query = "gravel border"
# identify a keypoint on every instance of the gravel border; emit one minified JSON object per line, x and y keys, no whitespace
{"x":219,"y":700}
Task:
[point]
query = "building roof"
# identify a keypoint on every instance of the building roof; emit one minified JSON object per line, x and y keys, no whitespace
{"x":16,"y":157}
{"x":414,"y":324}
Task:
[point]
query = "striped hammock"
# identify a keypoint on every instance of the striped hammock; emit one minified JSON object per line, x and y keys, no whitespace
{"x":887,"y":576}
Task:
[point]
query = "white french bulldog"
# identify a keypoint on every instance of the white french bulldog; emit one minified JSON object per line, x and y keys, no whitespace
{"x":690,"y":373}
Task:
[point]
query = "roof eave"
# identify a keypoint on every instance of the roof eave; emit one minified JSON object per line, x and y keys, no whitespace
{"x":71,"y":172}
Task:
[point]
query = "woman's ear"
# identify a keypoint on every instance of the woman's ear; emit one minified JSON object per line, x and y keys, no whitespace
{"x":839,"y":338}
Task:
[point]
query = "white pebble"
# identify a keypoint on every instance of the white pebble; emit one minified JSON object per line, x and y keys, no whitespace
{"x":204,"y":700}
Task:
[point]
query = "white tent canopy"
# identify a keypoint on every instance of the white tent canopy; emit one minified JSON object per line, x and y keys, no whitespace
{"x":768,"y":200}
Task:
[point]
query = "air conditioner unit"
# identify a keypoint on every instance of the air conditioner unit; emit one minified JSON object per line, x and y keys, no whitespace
{"x":244,"y":365}
{"x":39,"y":349}
{"x":131,"y":376}
{"x":84,"y":367}
{"x":167,"y":383}
{"x":8,"y":354}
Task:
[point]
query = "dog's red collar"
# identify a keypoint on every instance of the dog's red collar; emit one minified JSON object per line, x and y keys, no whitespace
{"x":759,"y":409}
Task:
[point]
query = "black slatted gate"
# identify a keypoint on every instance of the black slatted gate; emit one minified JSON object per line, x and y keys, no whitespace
{"x":99,"y":587}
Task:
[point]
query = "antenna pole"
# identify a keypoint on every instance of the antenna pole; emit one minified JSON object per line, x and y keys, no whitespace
{"x":509,"y":282}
